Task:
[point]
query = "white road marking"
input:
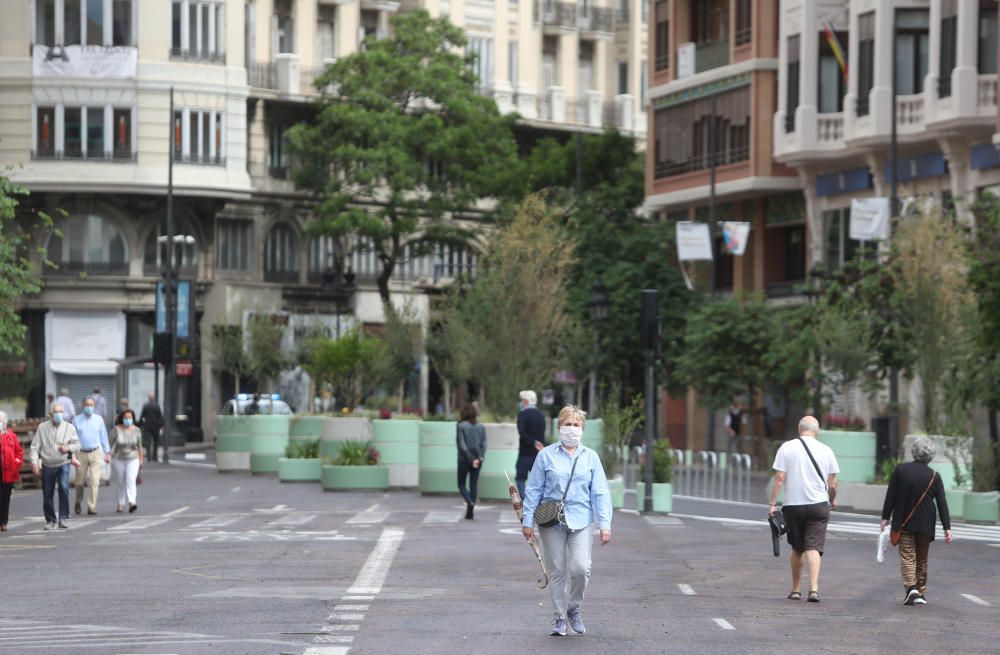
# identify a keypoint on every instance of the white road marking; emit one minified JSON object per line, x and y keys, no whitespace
{"x":211,"y":498}
{"x":220,"y":521}
{"x":507,"y":517}
{"x":346,"y":616}
{"x":198,"y":457}
{"x":276,"y":508}
{"x":334,"y":639}
{"x":295,"y":519}
{"x":724,"y":624}
{"x":376,"y":567}
{"x":139,"y":524}
{"x":359,"y":597}
{"x":368,"y":517}
{"x":976,"y":599}
{"x":442,"y":517}
{"x":686,"y":589}
{"x":664,"y":521}
{"x":354,"y":627}
{"x":350,"y":608}
{"x":234,"y":489}
{"x":179,"y":510}
{"x":327,"y":650}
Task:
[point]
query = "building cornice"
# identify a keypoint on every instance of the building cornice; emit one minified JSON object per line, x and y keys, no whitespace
{"x":714,"y":75}
{"x":732,"y":190}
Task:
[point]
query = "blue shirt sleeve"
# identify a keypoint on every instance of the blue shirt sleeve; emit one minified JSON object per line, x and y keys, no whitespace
{"x":104,"y":438}
{"x":600,"y":495}
{"x":533,"y":489}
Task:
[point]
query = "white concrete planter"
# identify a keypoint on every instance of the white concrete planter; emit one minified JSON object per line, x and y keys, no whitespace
{"x":860,"y":496}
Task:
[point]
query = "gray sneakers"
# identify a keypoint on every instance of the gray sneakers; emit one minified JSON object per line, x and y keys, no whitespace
{"x":558,"y":627}
{"x":50,"y":526}
{"x":576,"y":622}
{"x":63,"y":524}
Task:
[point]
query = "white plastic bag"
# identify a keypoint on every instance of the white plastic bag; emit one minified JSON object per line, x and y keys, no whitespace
{"x":883,"y":545}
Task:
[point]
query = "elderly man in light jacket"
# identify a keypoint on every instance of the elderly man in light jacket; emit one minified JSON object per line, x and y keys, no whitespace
{"x":54,"y":441}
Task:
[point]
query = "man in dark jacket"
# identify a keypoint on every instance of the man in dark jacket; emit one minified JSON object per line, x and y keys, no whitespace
{"x":151,"y":421}
{"x":531,"y":430}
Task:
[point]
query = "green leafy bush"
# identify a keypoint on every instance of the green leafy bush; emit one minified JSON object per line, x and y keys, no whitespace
{"x":302,"y":449}
{"x":886,"y":470}
{"x":357,"y":453}
{"x":663,"y":461}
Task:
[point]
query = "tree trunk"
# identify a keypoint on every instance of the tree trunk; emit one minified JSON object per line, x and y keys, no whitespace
{"x":401,"y":391}
{"x":447,"y":398}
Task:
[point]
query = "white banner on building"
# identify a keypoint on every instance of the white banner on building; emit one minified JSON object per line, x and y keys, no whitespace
{"x":693,"y":241}
{"x":735,"y":236}
{"x":869,"y":219}
{"x":85,"y":61}
{"x":686,"y":53}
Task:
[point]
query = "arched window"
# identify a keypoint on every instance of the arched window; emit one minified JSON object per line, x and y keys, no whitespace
{"x":185,"y":251}
{"x":88,"y":244}
{"x":281,"y":255}
{"x":324,"y":254}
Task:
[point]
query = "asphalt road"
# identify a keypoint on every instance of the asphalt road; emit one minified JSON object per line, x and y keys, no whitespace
{"x":240,"y":564}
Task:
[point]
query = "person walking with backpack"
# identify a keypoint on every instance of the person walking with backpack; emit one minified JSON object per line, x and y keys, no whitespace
{"x":807,"y":469}
{"x":909,"y":502}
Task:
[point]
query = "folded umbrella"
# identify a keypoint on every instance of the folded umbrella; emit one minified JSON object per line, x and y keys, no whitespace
{"x":777,"y":522}
{"x":519,"y":511}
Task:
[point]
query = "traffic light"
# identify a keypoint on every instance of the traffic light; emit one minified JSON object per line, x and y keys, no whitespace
{"x":161,"y":348}
{"x":650,"y":319}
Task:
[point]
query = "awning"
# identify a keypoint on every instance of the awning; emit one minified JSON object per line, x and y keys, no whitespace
{"x":83,"y":366}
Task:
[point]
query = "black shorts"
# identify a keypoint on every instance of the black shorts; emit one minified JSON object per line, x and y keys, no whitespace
{"x":807,"y":526}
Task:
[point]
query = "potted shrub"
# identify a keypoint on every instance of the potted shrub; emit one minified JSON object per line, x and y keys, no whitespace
{"x":356,"y":466}
{"x":301,"y":462}
{"x":663,"y":470}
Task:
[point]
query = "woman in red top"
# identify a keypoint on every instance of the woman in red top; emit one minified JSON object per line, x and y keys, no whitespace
{"x":11,"y":458}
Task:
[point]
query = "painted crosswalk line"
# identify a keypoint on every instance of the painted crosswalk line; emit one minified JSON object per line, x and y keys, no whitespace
{"x":442,"y":517}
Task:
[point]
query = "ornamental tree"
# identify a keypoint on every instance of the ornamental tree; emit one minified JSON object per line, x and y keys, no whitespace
{"x":402,"y":144}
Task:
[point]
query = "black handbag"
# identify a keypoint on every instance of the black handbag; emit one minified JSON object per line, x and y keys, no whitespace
{"x":551,"y":512}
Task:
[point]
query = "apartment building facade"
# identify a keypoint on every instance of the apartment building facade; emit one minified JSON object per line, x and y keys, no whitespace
{"x":714,"y":81}
{"x":85,"y":125}
{"x":834,"y":127}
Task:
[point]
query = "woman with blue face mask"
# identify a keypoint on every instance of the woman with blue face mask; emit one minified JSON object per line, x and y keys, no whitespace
{"x":568,"y":469}
{"x":126,"y":459}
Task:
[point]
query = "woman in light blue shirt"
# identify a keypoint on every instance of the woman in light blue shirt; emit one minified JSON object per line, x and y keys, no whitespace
{"x":566,"y":546}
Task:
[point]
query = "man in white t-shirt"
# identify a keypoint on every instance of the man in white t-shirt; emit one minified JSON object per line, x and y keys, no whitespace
{"x":810,"y":494}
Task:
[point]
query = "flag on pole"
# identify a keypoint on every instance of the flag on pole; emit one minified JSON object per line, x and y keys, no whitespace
{"x":834,"y":42}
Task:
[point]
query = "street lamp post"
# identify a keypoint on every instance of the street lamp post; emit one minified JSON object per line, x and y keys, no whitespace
{"x":817,"y":278}
{"x":598,"y":316}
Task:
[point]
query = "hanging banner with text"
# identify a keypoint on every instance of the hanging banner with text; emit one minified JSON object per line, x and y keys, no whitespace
{"x":95,"y":61}
{"x":869,"y":219}
{"x":693,"y":242}
{"x":735,"y":236}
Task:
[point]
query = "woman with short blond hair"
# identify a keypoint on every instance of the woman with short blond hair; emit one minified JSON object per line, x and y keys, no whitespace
{"x":568,"y":470}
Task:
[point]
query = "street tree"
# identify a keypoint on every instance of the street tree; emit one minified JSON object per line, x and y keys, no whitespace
{"x":726,"y":341}
{"x":350,"y":365}
{"x":403,"y":339}
{"x":984,"y":276}
{"x":508,"y":325}
{"x":18,"y":275}
{"x":226,"y":344}
{"x":265,"y":357}
{"x":615,"y":243}
{"x":402,"y":144}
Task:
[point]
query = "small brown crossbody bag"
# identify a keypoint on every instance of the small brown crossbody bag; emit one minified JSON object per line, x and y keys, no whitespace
{"x":895,"y":534}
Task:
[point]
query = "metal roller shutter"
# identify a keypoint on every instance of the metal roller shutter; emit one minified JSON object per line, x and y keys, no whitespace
{"x":82,"y":386}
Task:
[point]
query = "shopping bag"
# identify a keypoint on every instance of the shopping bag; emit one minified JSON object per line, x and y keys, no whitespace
{"x":883,"y":545}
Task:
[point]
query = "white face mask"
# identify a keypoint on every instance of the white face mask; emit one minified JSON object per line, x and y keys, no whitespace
{"x":569,"y":435}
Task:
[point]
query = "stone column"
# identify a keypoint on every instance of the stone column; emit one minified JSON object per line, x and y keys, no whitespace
{"x":805,"y":114}
{"x":568,"y":64}
{"x":502,"y":91}
{"x":881,"y":95}
{"x":348,"y":21}
{"x":965,"y":79}
{"x":529,"y":55}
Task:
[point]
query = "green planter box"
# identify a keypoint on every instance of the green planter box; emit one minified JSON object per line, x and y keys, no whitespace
{"x":232,"y":443}
{"x":956,"y":502}
{"x":264,"y":462}
{"x":299,"y":470}
{"x":663,"y":496}
{"x":438,"y":456}
{"x":306,"y":426}
{"x":593,"y":434}
{"x":617,"y":492}
{"x":982,"y":506}
{"x":855,"y":452}
{"x":340,"y":478}
{"x":398,"y":441}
